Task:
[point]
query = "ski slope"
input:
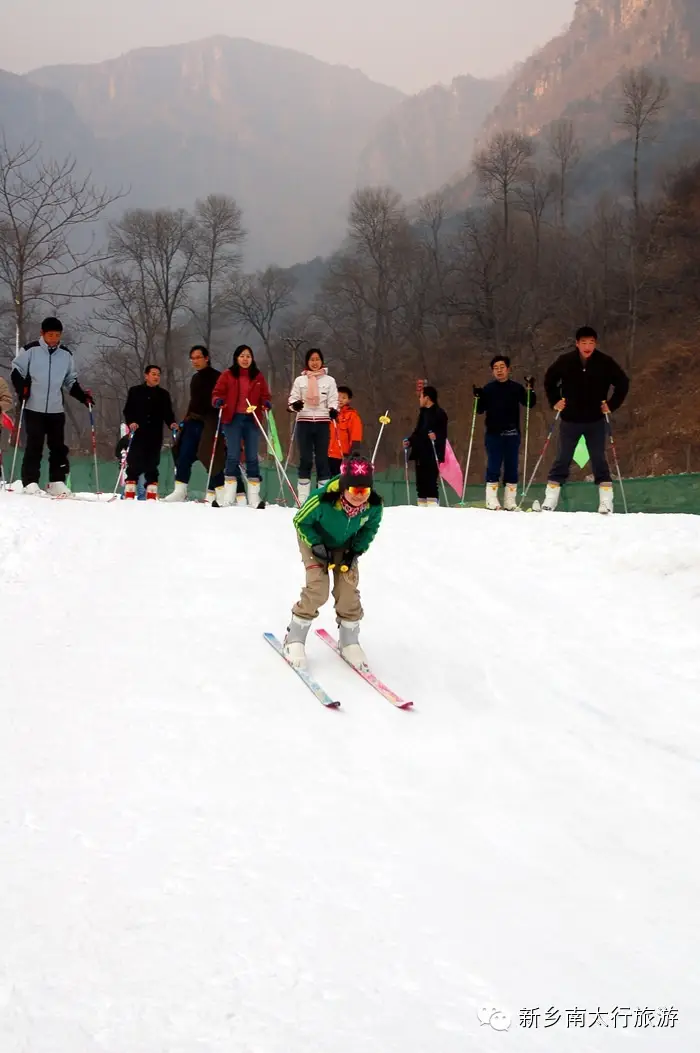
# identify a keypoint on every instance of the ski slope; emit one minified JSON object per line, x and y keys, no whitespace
{"x":197,"y":857}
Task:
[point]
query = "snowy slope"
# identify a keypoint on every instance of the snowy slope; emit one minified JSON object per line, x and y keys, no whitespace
{"x":196,"y":857}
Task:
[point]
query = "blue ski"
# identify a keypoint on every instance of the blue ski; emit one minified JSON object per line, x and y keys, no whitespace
{"x":312,"y":684}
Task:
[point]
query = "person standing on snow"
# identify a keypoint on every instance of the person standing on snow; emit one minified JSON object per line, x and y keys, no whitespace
{"x":428,"y":439}
{"x":314,"y":399}
{"x":237,"y":389}
{"x":578,"y":386}
{"x":335,"y":526}
{"x":346,"y":431}
{"x":196,"y":438}
{"x":41,"y":372}
{"x":501,"y":400}
{"x":148,"y":407}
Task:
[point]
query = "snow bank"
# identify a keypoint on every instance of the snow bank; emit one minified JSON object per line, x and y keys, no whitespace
{"x":198,"y":858}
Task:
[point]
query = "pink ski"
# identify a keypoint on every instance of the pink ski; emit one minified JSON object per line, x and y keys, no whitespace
{"x":366,"y":674}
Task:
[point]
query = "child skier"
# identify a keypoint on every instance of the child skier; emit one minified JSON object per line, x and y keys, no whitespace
{"x":335,"y":526}
{"x":346,"y":431}
{"x":426,"y":445}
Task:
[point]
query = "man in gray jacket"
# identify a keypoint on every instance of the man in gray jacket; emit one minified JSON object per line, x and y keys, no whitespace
{"x":41,"y":372}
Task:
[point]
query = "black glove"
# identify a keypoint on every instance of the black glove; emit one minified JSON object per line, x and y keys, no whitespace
{"x":478,"y":392}
{"x":322,"y":553}
{"x":85,"y":397}
{"x":22,"y":385}
{"x":530,"y":382}
{"x":297,"y":406}
{"x":333,"y":414}
{"x":348,"y":561}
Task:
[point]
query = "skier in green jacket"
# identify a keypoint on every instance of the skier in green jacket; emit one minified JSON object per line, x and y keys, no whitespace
{"x":335,"y":525}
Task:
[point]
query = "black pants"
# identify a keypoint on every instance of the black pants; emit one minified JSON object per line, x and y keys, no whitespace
{"x":313,"y":437}
{"x":334,"y":464}
{"x":595,"y":434}
{"x":427,"y":479}
{"x":39,"y":427}
{"x":144,"y":459}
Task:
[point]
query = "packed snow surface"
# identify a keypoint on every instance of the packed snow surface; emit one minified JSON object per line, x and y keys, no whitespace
{"x":197,"y":857}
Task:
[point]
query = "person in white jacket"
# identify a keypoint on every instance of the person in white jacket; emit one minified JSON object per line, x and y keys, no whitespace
{"x":314,"y":399}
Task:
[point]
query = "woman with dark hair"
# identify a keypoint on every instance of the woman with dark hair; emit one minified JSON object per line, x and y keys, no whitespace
{"x":241,"y":386}
{"x":314,"y":399}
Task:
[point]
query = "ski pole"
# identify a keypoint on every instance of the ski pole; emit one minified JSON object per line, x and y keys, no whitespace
{"x":19,"y":428}
{"x":213,"y":451}
{"x":94,"y":448}
{"x":125,"y":458}
{"x":384,"y":420}
{"x":271,"y":448}
{"x":527,"y":436}
{"x":442,"y":481}
{"x":471,"y":443}
{"x":613,"y":447}
{"x":540,"y":458}
{"x":291,"y":443}
{"x":408,"y":485}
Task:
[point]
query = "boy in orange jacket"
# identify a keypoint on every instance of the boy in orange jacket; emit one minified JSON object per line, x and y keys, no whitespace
{"x":346,"y":431}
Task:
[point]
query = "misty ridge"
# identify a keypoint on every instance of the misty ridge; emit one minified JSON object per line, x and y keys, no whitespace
{"x":475,"y":217}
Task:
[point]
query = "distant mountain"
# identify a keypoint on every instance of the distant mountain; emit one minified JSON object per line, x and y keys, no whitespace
{"x":278,"y":130}
{"x":33,"y":114}
{"x":428,"y":137}
{"x":574,"y":70}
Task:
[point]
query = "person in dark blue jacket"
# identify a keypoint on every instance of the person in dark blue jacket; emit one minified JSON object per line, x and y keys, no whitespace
{"x":501,"y":400}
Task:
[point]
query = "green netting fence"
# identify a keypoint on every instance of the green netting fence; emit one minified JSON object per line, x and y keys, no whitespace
{"x":658,"y":494}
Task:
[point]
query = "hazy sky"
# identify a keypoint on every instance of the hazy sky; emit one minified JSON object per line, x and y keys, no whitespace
{"x":407,"y":43}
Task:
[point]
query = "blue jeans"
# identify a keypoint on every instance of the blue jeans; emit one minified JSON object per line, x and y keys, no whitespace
{"x":141,"y":488}
{"x":187,"y":453}
{"x":242,"y":428}
{"x":502,"y":452}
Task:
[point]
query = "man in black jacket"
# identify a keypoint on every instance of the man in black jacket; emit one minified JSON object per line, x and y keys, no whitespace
{"x":578,"y":387}
{"x":148,"y":407}
{"x":429,"y":437}
{"x":196,"y":439}
{"x":501,"y":400}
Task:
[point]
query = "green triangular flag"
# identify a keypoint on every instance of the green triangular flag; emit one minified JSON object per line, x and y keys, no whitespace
{"x":581,"y":455}
{"x":274,"y":437}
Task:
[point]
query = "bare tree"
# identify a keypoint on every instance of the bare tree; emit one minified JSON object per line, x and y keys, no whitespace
{"x":219,"y":236}
{"x":499,"y":168}
{"x":157,"y":253}
{"x":257,"y":301}
{"x":534,"y":193}
{"x":643,"y":100}
{"x":46,"y":212}
{"x":565,"y":149}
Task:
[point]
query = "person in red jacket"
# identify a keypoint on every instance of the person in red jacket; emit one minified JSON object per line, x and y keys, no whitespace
{"x":241,"y":386}
{"x":346,"y":431}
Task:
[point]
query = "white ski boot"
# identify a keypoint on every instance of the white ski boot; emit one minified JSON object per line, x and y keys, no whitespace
{"x":178,"y":494}
{"x":303,"y":490}
{"x":152,"y":492}
{"x":432,"y":502}
{"x":32,"y":489}
{"x":295,"y":640}
{"x":551,"y":497}
{"x":229,"y":497}
{"x":510,"y":497}
{"x":254,"y":493}
{"x":349,"y":643}
{"x":241,"y":500}
{"x":605,"y":494}
{"x":130,"y":492}
{"x":57,"y":490}
{"x":492,"y":501}
{"x":219,"y":492}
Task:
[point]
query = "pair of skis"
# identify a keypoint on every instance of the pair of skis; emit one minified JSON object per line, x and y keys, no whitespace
{"x":320,"y":693}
